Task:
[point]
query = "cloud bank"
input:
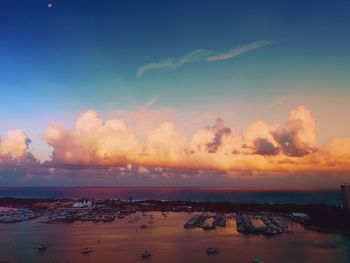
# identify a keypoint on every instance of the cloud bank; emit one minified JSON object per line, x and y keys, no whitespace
{"x":95,"y":142}
{"x":200,"y":55}
{"x":111,"y":149}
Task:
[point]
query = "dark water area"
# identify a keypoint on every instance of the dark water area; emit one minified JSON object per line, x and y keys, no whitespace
{"x":329,"y":197}
{"x":124,"y":241}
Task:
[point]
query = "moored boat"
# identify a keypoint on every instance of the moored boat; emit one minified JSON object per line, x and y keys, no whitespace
{"x":41,"y":247}
{"x":212,"y":250}
{"x":146,"y":254}
{"x":86,"y":250}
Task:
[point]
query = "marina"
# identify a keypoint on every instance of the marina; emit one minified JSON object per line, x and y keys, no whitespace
{"x":164,"y":240}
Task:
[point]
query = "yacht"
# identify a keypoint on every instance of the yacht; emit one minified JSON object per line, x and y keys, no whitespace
{"x":212,"y":250}
{"x":41,"y":247}
{"x":86,"y":250}
{"x":208,"y":227}
{"x":146,"y":254}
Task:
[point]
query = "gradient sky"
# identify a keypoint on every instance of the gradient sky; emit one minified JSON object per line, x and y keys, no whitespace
{"x":57,"y":63}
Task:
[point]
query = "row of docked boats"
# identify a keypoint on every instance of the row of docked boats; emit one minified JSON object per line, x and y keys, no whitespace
{"x":271,"y":225}
{"x":200,"y":220}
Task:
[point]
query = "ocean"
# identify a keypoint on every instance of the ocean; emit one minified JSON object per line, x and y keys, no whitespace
{"x":329,"y":197}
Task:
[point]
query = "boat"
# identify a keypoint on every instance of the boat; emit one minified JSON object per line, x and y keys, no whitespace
{"x":86,"y":250}
{"x":219,"y":220}
{"x":41,"y":247}
{"x":208,"y":227}
{"x":146,"y":254}
{"x":212,"y":250}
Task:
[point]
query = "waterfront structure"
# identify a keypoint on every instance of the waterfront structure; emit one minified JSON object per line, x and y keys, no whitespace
{"x":300,"y":217}
{"x":83,"y":204}
{"x":345,"y":194}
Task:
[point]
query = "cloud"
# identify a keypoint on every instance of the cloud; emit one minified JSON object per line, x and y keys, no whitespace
{"x":219,"y":130}
{"x":201,"y":55}
{"x":144,"y":118}
{"x":15,"y":158}
{"x":239,"y":51}
{"x":15,"y":145}
{"x":95,"y":142}
{"x":265,"y":147}
{"x":110,"y":148}
{"x":300,"y":138}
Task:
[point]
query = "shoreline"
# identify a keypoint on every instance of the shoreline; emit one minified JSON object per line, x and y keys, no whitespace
{"x":319,"y":217}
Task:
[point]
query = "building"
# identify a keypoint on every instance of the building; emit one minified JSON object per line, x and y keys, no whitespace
{"x":83,"y":204}
{"x":345,"y":194}
{"x":300,"y":217}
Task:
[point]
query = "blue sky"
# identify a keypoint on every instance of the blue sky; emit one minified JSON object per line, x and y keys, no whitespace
{"x":84,"y":54}
{"x":58,"y":62}
{"x":84,"y":47}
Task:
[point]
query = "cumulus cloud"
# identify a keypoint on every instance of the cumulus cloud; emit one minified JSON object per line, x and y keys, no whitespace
{"x":95,"y":142}
{"x":201,"y":55}
{"x":15,"y":158}
{"x":300,"y":138}
{"x":15,"y":145}
{"x":144,"y":118}
{"x":219,"y":130}
{"x":111,"y":148}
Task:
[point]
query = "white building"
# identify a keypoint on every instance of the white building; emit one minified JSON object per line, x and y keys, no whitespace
{"x":83,"y":204}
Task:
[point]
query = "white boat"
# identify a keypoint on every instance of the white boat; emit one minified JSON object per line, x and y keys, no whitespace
{"x":41,"y":247}
{"x":86,"y":250}
{"x":212,"y":250}
{"x":146,"y":254}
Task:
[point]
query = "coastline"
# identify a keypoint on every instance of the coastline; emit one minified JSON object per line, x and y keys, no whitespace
{"x":320,"y":217}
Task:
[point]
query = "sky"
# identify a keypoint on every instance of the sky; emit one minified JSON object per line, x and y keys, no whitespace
{"x":175,"y":93}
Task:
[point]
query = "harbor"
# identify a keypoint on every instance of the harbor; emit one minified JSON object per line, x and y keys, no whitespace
{"x":251,"y":218}
{"x":165,"y":240}
{"x":104,"y":211}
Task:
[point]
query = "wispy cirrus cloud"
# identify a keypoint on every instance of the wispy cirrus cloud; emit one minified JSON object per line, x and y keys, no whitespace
{"x":201,"y":55}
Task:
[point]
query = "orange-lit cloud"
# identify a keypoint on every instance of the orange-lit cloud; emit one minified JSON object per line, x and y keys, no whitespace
{"x":15,"y":145}
{"x":93,"y":142}
{"x":14,"y":153}
{"x":261,"y":147}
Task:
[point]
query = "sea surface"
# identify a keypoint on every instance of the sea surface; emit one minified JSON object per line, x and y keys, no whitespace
{"x":167,"y":240}
{"x":330,"y":197}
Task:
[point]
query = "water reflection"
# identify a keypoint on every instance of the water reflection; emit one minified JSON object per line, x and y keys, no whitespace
{"x":167,"y":240}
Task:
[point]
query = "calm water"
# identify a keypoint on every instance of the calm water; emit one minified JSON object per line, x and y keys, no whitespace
{"x":168,"y":241}
{"x":189,"y":194}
